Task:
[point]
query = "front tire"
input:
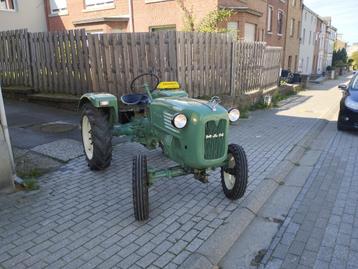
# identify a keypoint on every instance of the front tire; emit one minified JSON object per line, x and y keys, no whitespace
{"x":140,"y":188}
{"x":234,"y":175}
{"x":96,"y":133}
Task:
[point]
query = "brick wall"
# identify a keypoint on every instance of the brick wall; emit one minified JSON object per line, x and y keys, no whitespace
{"x":167,"y":13}
{"x":243,"y":16}
{"x":146,"y":13}
{"x":273,"y":38}
{"x":76,"y":11}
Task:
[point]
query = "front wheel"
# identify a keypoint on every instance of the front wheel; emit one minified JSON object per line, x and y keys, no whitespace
{"x":140,"y":188}
{"x":96,"y":137}
{"x":235,"y":173}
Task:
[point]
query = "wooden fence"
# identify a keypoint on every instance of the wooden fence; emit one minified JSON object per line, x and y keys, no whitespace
{"x":15,"y":58}
{"x":73,"y":62}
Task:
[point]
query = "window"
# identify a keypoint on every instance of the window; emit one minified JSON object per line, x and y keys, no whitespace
{"x":58,"y":6}
{"x":296,"y":63}
{"x":98,"y":3}
{"x":303,"y":35}
{"x":289,"y":62}
{"x":7,"y":5}
{"x":292,"y":27}
{"x":233,"y":28}
{"x":355,"y":84}
{"x":310,"y":38}
{"x":280,"y":22}
{"x":269,"y":19}
{"x":298,"y":29}
{"x":162,"y":28}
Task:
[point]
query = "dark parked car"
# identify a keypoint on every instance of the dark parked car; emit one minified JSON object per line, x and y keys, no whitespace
{"x":348,"y":113}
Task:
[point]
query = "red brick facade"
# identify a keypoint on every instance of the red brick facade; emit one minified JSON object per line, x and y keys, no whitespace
{"x":276,"y":31}
{"x":152,"y":14}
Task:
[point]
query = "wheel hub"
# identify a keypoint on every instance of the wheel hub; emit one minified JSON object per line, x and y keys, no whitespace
{"x":229,"y":179}
{"x":87,"y":137}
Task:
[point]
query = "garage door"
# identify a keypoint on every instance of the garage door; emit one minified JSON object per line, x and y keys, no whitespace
{"x":250,"y":31}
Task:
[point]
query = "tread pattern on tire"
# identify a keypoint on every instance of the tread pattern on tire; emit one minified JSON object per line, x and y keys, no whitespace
{"x":241,"y":173}
{"x":101,"y":137}
{"x":140,"y":188}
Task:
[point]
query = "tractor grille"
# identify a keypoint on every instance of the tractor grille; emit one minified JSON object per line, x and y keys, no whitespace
{"x":214,"y":139}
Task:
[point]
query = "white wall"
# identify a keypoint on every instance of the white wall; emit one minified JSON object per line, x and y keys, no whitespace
{"x":308,"y":35}
{"x":28,"y":14}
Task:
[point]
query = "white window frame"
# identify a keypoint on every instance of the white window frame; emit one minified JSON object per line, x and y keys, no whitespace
{"x":101,"y":4}
{"x":62,"y":11}
{"x":9,"y":9}
{"x":269,"y":19}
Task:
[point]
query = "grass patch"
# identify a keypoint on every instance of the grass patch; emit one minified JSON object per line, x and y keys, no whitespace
{"x":29,"y":178}
{"x":31,"y":184}
{"x":277,"y":97}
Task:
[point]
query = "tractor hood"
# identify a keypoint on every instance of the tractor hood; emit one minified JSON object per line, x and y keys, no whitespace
{"x":190,"y":106}
{"x":203,"y":141}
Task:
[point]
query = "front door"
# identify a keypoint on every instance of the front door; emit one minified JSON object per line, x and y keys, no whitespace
{"x":250,"y":32}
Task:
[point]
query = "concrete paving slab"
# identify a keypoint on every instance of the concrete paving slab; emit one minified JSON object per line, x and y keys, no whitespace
{"x":29,"y":162}
{"x":310,"y":157}
{"x":280,"y":202}
{"x":298,"y":176}
{"x":63,"y":149}
{"x":257,"y":237}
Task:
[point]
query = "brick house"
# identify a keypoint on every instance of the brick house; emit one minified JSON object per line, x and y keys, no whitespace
{"x":276,"y":22}
{"x":249,"y":18}
{"x":292,"y":37}
{"x":152,"y":15}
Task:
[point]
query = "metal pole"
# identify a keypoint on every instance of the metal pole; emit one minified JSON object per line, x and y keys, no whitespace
{"x":3,"y":122}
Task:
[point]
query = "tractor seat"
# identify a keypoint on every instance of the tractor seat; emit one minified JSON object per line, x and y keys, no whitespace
{"x":135,"y":99}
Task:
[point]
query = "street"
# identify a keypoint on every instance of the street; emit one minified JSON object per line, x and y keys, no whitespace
{"x":84,"y":219}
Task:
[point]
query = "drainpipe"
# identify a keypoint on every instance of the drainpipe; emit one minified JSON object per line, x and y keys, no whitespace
{"x":130,"y":11}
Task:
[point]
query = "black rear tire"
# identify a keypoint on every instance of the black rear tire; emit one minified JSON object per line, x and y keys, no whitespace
{"x":239,"y":173}
{"x":140,"y":188}
{"x":101,"y":134}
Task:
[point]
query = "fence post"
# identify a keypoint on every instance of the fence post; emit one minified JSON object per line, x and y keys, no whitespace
{"x":233,"y":69}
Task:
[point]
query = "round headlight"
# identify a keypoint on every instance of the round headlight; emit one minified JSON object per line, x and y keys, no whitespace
{"x":234,"y":114}
{"x":350,"y":103}
{"x":179,"y":121}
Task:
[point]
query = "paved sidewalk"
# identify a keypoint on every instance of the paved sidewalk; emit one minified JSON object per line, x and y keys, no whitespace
{"x":321,"y":230}
{"x":84,"y":219}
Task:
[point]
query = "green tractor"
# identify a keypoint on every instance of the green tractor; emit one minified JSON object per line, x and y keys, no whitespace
{"x":191,"y":132}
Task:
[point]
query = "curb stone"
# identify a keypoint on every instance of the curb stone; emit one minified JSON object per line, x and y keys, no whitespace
{"x":215,"y":248}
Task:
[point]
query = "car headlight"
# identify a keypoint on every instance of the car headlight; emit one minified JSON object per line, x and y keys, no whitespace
{"x":179,"y":121}
{"x":234,"y":114}
{"x":351,"y":103}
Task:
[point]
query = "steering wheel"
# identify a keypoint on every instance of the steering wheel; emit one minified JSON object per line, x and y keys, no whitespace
{"x":133,"y":86}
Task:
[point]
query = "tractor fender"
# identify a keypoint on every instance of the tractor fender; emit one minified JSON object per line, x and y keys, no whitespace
{"x":107,"y":102}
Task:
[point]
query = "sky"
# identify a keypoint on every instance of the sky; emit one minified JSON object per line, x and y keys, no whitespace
{"x":344,"y":15}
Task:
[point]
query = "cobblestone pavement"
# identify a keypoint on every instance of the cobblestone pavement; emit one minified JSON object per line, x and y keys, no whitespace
{"x":84,"y":219}
{"x":321,"y":230}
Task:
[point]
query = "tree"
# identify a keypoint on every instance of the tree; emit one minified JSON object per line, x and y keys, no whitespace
{"x":211,"y":23}
{"x":340,"y":58}
{"x":354,"y":57}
